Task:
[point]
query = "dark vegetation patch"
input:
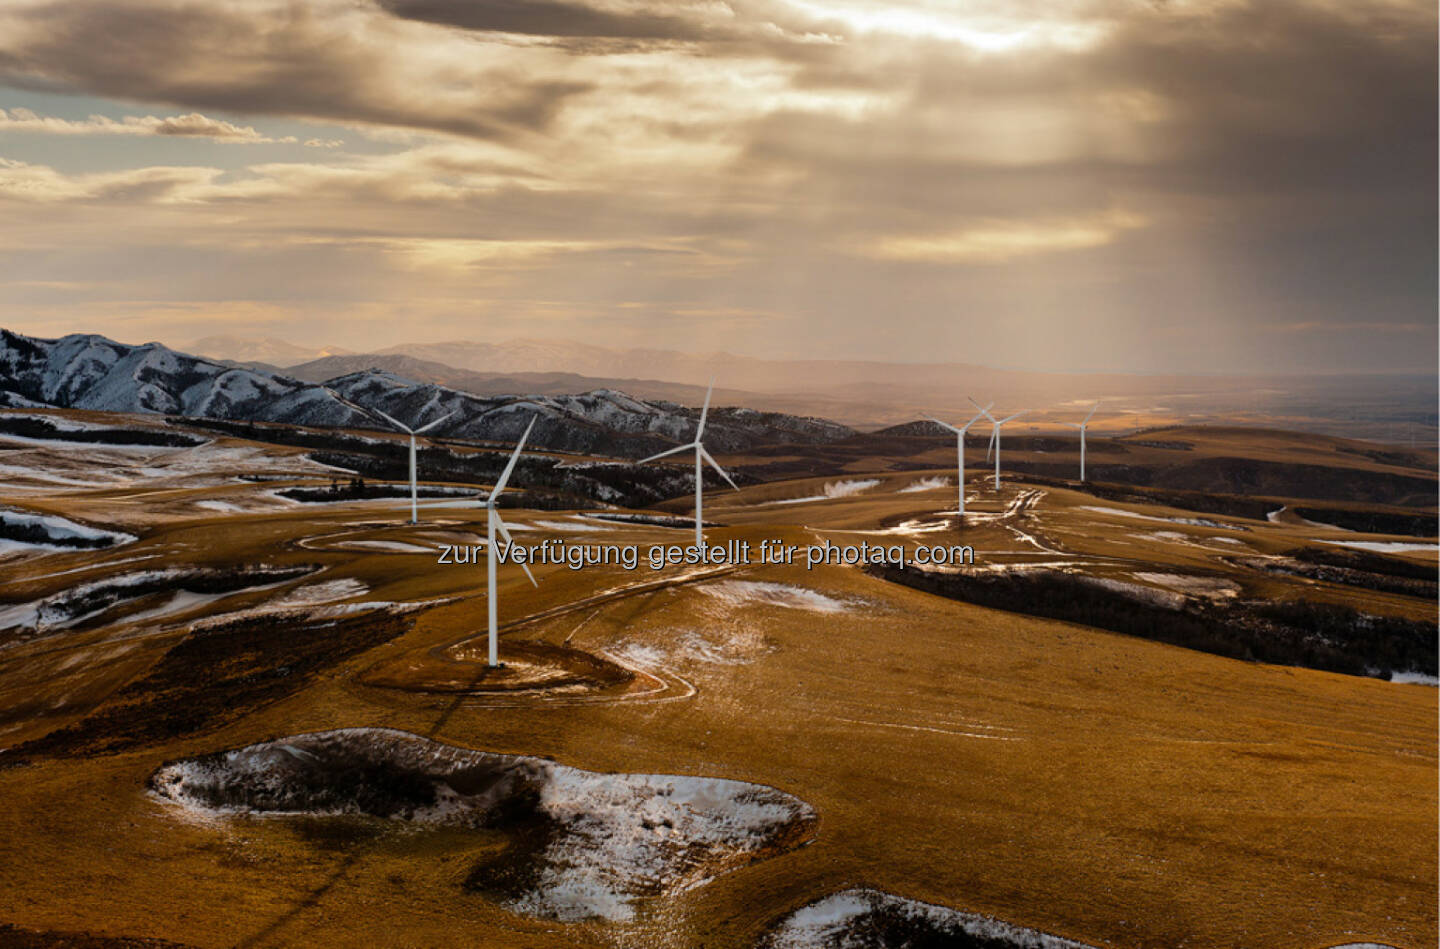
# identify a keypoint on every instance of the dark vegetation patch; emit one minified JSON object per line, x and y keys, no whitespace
{"x":1164,"y":445}
{"x":548,"y":483}
{"x":35,"y":532}
{"x":216,"y":675}
{"x":97,"y":600}
{"x":356,"y":489}
{"x":295,"y":436}
{"x":1367,"y":561}
{"x":1400,"y":458}
{"x":1351,"y":568}
{"x":15,"y":937}
{"x":30,"y":426}
{"x":1313,"y":635}
{"x":1374,"y":522}
{"x":651,"y":520}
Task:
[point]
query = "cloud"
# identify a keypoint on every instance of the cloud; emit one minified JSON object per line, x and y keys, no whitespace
{"x":191,"y":125}
{"x":629,"y":160}
{"x":1000,"y":241}
{"x":41,"y":184}
{"x":330,"y":60}
{"x":560,"y":18}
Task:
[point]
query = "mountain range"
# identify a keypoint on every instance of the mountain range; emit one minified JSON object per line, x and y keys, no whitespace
{"x":91,"y":372}
{"x":873,"y":394}
{"x":267,"y":350}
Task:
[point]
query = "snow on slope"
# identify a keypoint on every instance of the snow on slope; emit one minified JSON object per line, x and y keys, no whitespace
{"x":92,"y":372}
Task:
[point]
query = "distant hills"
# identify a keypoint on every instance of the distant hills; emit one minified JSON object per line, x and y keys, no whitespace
{"x":873,"y":394}
{"x":93,"y":372}
{"x":261,"y":349}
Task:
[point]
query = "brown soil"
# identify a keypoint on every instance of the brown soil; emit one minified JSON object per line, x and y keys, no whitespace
{"x":527,"y":666}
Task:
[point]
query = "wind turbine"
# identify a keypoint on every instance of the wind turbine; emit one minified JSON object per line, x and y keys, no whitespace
{"x":995,"y":434}
{"x":494,"y":525}
{"x":960,"y":448}
{"x":1081,"y":425}
{"x":412,"y":432}
{"x":700,"y":453}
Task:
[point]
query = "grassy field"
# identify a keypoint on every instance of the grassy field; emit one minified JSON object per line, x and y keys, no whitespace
{"x":1103,"y":787}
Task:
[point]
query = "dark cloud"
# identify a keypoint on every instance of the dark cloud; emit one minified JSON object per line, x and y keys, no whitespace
{"x":551,"y":18}
{"x":295,"y":63}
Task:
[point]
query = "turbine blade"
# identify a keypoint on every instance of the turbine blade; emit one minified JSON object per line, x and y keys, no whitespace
{"x":945,"y":424}
{"x":1092,"y":411}
{"x":425,"y":428}
{"x":514,"y":457}
{"x":668,"y":451}
{"x":966,"y":427}
{"x":505,"y":534}
{"x":704,"y":410}
{"x":716,"y":465}
{"x":994,"y":430}
{"x":1011,"y":418}
{"x":984,"y":409}
{"x":400,"y":425}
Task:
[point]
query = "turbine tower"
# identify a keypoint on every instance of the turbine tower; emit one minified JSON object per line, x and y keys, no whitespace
{"x":494,"y":525}
{"x":960,"y":448}
{"x":1081,"y":425}
{"x":995,"y":434}
{"x":700,"y":454}
{"x":412,"y":432}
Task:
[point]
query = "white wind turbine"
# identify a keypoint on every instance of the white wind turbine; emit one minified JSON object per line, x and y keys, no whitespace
{"x":1081,"y":425}
{"x":700,"y":454}
{"x":995,"y":434}
{"x":960,"y":448}
{"x":494,"y":525}
{"x":412,"y":432}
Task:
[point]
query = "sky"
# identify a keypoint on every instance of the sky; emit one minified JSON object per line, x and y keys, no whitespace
{"x":1096,"y":185}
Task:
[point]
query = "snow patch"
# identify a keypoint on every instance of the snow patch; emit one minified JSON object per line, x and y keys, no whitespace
{"x":589,"y":845}
{"x":1415,"y":678}
{"x":54,"y":531}
{"x":1383,"y":546}
{"x":835,"y":489}
{"x":735,"y":593}
{"x":1192,"y":521}
{"x":852,"y":918}
{"x":572,"y":526}
{"x":1217,"y":588}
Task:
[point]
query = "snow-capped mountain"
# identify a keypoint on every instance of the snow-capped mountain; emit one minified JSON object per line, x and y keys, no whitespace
{"x":85,"y":371}
{"x":92,"y":372}
{"x":603,"y":421}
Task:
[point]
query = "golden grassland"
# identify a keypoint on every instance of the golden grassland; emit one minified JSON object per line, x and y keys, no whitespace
{"x":1105,"y":788}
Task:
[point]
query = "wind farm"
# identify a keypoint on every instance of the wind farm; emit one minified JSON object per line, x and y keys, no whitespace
{"x":1085,"y":638}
